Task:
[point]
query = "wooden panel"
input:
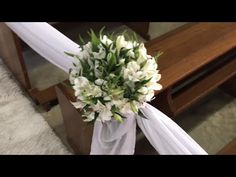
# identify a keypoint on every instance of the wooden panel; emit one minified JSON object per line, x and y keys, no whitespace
{"x":230,"y":86}
{"x":79,"y":133}
{"x":187,"y":50}
{"x":164,"y":102}
{"x":10,"y":52}
{"x":229,"y":149}
{"x":204,"y":86}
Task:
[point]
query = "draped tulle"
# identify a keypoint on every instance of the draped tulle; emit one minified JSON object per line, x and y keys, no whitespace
{"x":110,"y":137}
{"x":47,"y":42}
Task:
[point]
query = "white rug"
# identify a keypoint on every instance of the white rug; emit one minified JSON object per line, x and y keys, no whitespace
{"x":22,"y":129}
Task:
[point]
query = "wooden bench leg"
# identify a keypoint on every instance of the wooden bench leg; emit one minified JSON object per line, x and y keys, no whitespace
{"x":79,"y":133}
{"x":230,"y":86}
{"x":164,"y":102}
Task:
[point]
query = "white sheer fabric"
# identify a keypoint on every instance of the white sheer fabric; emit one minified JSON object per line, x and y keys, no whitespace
{"x":47,"y":42}
{"x":109,"y":138}
{"x":160,"y":128}
{"x":163,"y":134}
{"x":114,"y":138}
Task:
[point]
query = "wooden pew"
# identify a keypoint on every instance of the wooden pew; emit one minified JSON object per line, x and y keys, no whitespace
{"x":198,"y":58}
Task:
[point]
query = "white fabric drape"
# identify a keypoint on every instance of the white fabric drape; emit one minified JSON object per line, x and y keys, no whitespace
{"x":111,"y":137}
{"x":114,"y":138}
{"x":162,"y":132}
{"x":160,"y":128}
{"x":47,"y":42}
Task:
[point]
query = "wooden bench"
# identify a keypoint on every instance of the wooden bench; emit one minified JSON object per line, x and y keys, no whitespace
{"x":198,"y":58}
{"x":229,"y":149}
{"x":11,"y":51}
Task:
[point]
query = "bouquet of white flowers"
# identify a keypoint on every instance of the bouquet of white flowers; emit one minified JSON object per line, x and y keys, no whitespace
{"x":112,"y":78}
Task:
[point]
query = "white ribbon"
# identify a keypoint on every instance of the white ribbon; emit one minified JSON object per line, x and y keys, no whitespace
{"x":111,"y":137}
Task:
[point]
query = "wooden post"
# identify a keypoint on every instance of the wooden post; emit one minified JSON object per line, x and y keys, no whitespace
{"x":230,"y":86}
{"x":11,"y":53}
{"x":79,"y":133}
{"x":164,"y":102}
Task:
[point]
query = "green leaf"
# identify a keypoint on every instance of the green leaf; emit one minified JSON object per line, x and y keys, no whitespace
{"x":81,"y":39}
{"x":116,"y":91}
{"x":118,"y":118}
{"x":140,"y":113}
{"x":95,"y":40}
{"x":158,"y":55}
{"x":143,"y":82}
{"x":124,"y":33}
{"x":128,"y":92}
{"x":143,"y":64}
{"x":135,"y":37}
{"x":70,"y":70}
{"x":133,"y":107}
{"x":124,"y":51}
{"x":69,"y":54}
{"x":101,"y":31}
{"x":111,"y":36}
{"x":113,"y":60}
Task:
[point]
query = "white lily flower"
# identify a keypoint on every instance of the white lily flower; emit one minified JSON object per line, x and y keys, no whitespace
{"x":72,"y":76}
{"x":81,"y":82}
{"x":131,"y":54}
{"x":150,"y":95}
{"x":98,"y":107}
{"x":107,"y":98}
{"x":119,"y":102}
{"x":78,"y":104}
{"x":96,"y":91}
{"x":126,"y":109}
{"x":97,"y":72}
{"x":122,"y":61}
{"x":100,"y":82}
{"x":143,"y":90}
{"x":131,"y":72}
{"x":141,"y":59}
{"x":105,"y":115}
{"x":129,"y":45}
{"x":154,"y":86}
{"x":120,"y":42}
{"x":156,"y":77}
{"x":101,"y":54}
{"x":88,"y":47}
{"x":105,"y":40}
{"x":150,"y":65}
{"x":133,"y":65}
{"x":90,"y":117}
{"x":135,"y":44}
{"x":142,"y":50}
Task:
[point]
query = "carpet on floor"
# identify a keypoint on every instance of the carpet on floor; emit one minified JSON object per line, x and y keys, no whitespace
{"x":22,"y":129}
